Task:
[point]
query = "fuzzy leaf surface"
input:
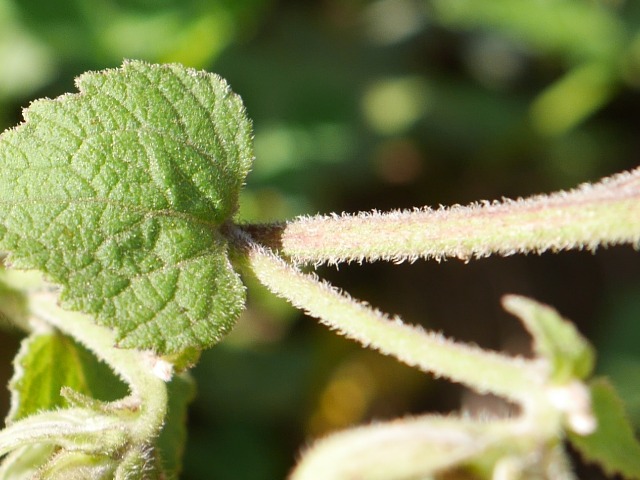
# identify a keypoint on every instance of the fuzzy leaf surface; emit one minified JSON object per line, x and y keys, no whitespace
{"x":118,"y":193}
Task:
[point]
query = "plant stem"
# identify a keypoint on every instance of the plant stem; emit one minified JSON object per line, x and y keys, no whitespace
{"x":148,"y":392}
{"x":605,"y":213}
{"x":485,"y":371}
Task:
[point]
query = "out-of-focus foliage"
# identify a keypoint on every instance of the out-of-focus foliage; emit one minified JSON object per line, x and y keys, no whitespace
{"x":42,"y":41}
{"x":378,"y":104}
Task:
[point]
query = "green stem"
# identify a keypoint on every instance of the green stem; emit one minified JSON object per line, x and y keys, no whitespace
{"x":148,"y":391}
{"x":508,"y":377}
{"x":592,"y":215}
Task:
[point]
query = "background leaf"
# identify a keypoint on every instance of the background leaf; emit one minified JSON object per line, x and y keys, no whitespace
{"x":118,"y":194}
{"x":48,"y":362}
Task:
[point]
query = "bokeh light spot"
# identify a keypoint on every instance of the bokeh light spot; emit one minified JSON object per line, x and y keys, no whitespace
{"x":392,"y":105}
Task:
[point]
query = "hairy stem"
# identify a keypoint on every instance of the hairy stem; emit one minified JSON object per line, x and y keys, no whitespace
{"x":605,"y":213}
{"x":431,"y":352}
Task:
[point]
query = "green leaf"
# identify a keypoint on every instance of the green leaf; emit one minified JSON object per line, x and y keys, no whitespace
{"x":73,"y":428}
{"x":613,"y":445}
{"x":13,"y":305}
{"x":48,"y":362}
{"x":430,"y":447}
{"x":24,"y":462}
{"x":410,"y":448}
{"x":173,"y":437}
{"x":119,"y":194}
{"x":70,"y":464}
{"x":554,"y":338}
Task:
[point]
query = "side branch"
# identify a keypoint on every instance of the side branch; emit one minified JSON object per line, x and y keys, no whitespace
{"x":430,"y":352}
{"x":605,"y":213}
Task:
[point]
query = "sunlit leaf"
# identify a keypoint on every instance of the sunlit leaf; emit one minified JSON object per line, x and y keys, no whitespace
{"x":119,"y":194}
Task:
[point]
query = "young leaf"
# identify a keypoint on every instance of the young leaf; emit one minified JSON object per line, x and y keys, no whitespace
{"x":69,"y":464}
{"x":404,"y":449}
{"x":36,"y":385}
{"x":119,"y":193}
{"x":431,"y":447}
{"x":25,"y":461}
{"x":613,"y":445}
{"x":74,"y":428}
{"x":554,"y":338}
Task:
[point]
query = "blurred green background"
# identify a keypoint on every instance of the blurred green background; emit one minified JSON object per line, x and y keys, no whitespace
{"x":384,"y":104}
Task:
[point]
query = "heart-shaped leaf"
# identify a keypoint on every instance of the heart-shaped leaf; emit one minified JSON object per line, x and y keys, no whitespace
{"x":119,"y":193}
